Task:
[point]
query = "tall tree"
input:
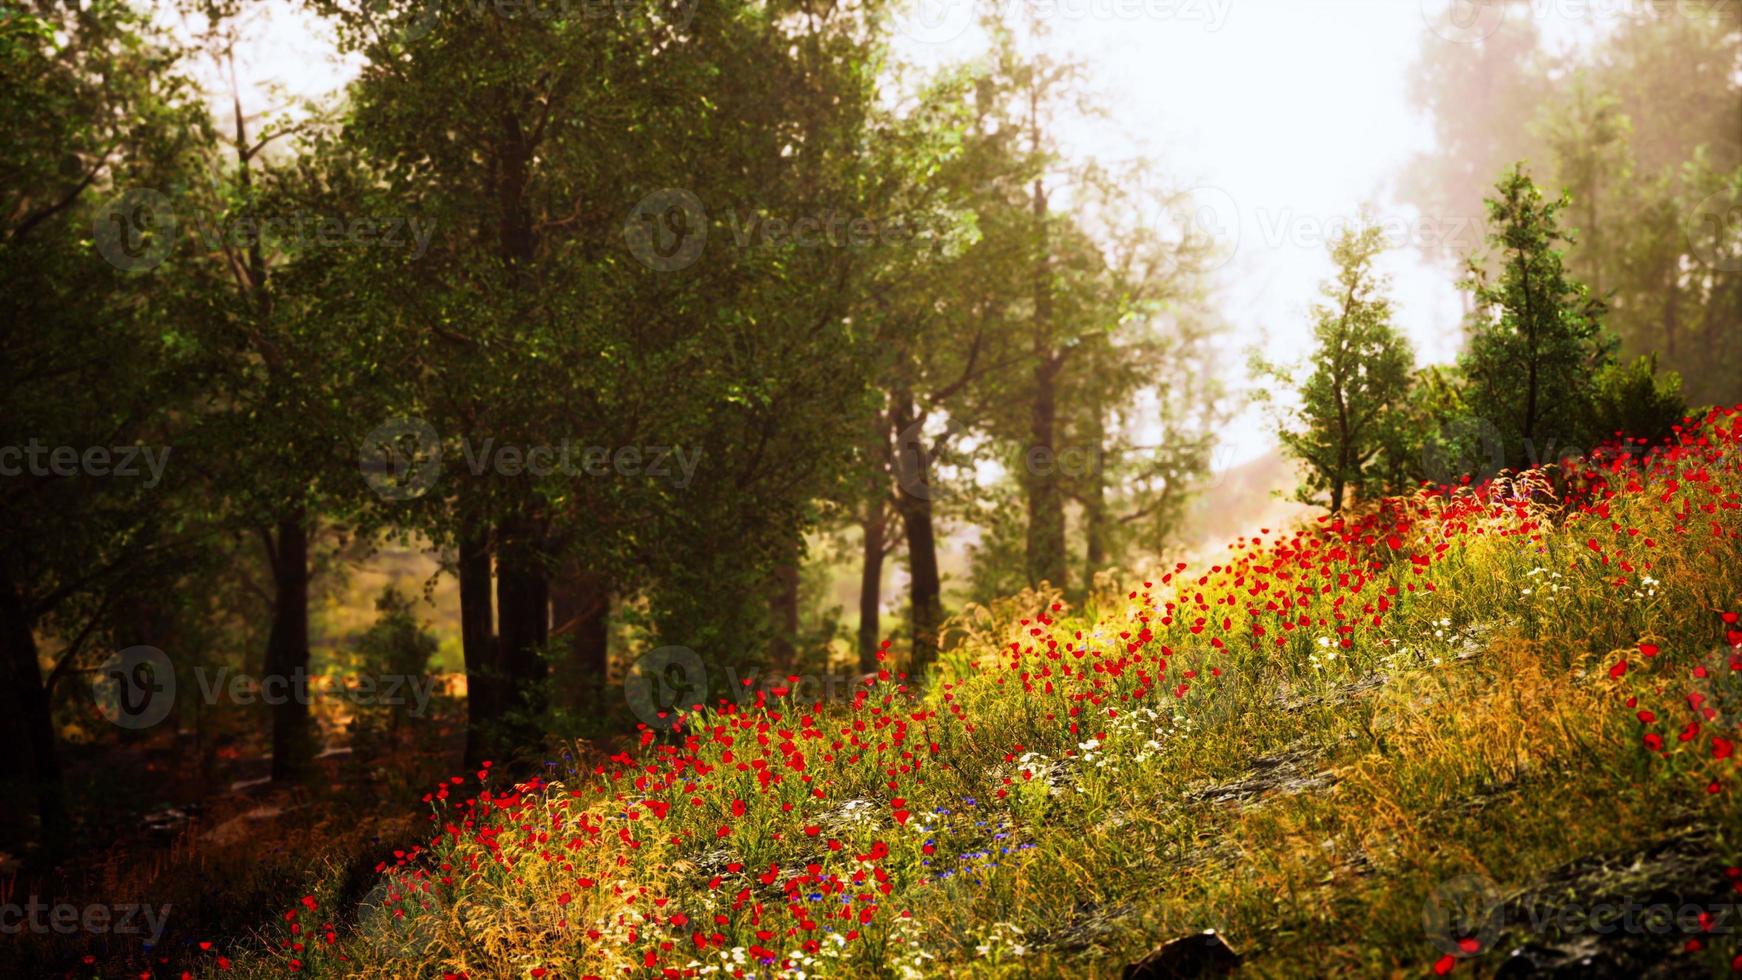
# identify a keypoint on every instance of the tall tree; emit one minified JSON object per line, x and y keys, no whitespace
{"x":643,"y":249}
{"x":1359,"y":377}
{"x":94,"y":358}
{"x":1535,"y":337}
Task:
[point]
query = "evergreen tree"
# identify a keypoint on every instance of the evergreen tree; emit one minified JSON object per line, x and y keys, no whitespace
{"x":1359,"y":380}
{"x":1536,"y":339}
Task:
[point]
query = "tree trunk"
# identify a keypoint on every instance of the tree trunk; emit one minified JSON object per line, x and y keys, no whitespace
{"x":1672,"y":298}
{"x":913,"y":501}
{"x":523,"y":616}
{"x":581,"y":619}
{"x":286,"y":675}
{"x":873,"y":526}
{"x":1092,"y":490}
{"x":783,"y":606}
{"x":1095,"y":523}
{"x":478,"y":643}
{"x":30,"y":699}
{"x":1046,"y":507}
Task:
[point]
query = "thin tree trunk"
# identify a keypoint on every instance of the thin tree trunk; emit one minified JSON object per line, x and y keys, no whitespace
{"x":913,"y":501}
{"x":581,"y":619}
{"x":783,"y":606}
{"x":1095,"y":523}
{"x":873,"y":526}
{"x":287,"y":653}
{"x":1046,"y":505}
{"x":1671,"y":318}
{"x":523,"y":616}
{"x":478,"y":643}
{"x":1046,"y":558}
{"x":1092,"y":491}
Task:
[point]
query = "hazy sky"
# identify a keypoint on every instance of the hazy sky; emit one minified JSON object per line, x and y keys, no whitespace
{"x":1285,"y":116}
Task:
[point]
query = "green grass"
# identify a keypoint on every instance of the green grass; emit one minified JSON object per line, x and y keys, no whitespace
{"x":1307,"y":798}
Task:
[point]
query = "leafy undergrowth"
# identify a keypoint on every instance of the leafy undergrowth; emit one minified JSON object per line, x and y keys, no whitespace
{"x":1380,"y":745}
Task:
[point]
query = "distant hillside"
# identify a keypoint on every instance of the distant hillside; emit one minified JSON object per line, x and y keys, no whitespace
{"x":1242,"y":499}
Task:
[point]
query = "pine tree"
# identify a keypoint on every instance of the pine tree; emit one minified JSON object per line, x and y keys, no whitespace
{"x":1360,"y":376}
{"x":1536,"y":338}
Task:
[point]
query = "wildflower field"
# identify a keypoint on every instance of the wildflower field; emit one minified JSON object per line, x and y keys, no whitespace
{"x":1404,"y":743}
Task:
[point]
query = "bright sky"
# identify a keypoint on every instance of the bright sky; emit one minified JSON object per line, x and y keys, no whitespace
{"x":1285,"y":116}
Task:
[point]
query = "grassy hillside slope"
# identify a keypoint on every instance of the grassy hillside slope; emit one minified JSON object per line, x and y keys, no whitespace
{"x":1416,"y":741}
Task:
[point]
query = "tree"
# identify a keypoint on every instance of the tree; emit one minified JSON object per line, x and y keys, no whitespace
{"x":614,"y":191}
{"x":1535,"y":336}
{"x":1359,"y":379}
{"x":94,"y":357}
{"x":1480,"y":98}
{"x":1640,"y":127}
{"x":942,"y":342}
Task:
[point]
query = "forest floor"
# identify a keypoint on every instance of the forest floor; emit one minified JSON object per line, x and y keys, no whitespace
{"x":1480,"y":733}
